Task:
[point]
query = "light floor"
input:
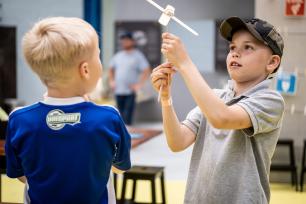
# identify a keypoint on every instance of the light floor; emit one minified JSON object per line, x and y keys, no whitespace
{"x":12,"y":191}
{"x":156,"y":152}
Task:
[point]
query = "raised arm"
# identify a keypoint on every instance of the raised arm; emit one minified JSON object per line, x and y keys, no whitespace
{"x":179,"y":137}
{"x":215,"y":110}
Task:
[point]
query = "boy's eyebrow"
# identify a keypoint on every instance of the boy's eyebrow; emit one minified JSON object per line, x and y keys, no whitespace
{"x":247,"y":41}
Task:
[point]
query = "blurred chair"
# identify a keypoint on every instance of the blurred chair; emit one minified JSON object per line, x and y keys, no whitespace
{"x":12,"y":103}
{"x":3,"y":115}
{"x":289,"y":167}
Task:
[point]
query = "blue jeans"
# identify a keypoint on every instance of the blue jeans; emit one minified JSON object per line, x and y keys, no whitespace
{"x":126,"y":104}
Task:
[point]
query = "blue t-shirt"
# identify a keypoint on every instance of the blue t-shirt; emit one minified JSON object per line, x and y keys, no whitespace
{"x":66,"y":151}
{"x":128,"y":67}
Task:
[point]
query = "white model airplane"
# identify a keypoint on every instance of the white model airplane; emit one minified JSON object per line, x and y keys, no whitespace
{"x":168,"y":13}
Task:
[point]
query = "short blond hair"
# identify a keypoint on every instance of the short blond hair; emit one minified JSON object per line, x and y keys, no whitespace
{"x":54,"y":45}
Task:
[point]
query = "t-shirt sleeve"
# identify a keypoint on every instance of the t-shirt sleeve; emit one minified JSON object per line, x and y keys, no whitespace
{"x":193,"y":120}
{"x":13,"y":162}
{"x":265,"y":111}
{"x":195,"y":116}
{"x":143,"y":62}
{"x":122,"y":154}
{"x":112,"y":62}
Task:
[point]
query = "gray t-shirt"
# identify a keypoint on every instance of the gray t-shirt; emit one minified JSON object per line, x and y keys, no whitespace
{"x":233,"y":166}
{"x":127,"y":66}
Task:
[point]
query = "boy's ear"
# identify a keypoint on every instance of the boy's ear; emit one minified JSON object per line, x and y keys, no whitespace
{"x":273,"y":63}
{"x":84,"y":70}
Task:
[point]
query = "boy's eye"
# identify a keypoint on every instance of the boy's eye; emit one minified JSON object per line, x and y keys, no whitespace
{"x":231,"y":47}
{"x":248,"y":47}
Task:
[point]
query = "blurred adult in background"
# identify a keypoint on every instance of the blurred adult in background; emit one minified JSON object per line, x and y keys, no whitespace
{"x":129,"y":69}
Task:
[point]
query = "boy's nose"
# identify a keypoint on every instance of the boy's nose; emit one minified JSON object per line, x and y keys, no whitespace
{"x":235,"y":54}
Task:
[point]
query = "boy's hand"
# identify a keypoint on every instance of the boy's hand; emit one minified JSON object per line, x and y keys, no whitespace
{"x":135,"y":87}
{"x":86,"y":97}
{"x":112,"y":84}
{"x":162,"y":75}
{"x":174,"y":50}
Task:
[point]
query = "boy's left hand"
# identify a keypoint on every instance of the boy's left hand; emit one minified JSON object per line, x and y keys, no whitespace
{"x":86,"y":98}
{"x":135,"y":87}
{"x":174,"y":50}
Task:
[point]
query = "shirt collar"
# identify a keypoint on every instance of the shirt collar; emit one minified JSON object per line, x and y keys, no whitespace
{"x":262,"y":85}
{"x":63,"y":101}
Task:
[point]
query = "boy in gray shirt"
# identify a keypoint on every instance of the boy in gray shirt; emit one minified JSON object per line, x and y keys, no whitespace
{"x":234,"y":130}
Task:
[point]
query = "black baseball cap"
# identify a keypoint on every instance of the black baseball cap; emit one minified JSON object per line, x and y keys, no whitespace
{"x":260,"y":29}
{"x":126,"y":35}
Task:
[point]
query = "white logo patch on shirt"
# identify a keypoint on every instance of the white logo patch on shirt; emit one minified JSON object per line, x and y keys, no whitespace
{"x":57,"y":119}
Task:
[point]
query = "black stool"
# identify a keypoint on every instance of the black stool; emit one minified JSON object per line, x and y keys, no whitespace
{"x":2,"y":171}
{"x":3,"y":125}
{"x":303,"y":167}
{"x":149,"y":173}
{"x":291,"y":167}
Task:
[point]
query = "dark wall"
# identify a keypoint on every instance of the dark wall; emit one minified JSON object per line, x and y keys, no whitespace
{"x":7,"y":63}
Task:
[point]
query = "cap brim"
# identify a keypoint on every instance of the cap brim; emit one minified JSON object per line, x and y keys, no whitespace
{"x":231,"y":25}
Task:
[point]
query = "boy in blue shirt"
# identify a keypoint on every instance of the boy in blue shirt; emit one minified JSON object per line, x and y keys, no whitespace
{"x":234,"y":130}
{"x":64,"y":147}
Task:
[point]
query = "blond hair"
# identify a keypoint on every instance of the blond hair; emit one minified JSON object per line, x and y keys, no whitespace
{"x":54,"y":45}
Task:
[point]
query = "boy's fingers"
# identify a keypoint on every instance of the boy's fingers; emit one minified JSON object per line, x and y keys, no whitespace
{"x":160,"y":83}
{"x":166,"y":65}
{"x":157,"y":83}
{"x":168,"y":41}
{"x":165,"y":35}
{"x":163,"y":73}
{"x":166,"y":46}
{"x":162,"y":66}
{"x":168,"y":36}
{"x":154,"y":79}
{"x":163,"y":51}
{"x":86,"y":97}
{"x":167,"y":71}
{"x":163,"y":77}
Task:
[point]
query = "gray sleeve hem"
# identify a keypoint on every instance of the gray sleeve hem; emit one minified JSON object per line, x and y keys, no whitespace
{"x":254,"y":129}
{"x":190,"y":125}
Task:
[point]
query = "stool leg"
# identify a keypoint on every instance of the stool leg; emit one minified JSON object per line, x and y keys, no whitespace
{"x":296,"y":181}
{"x":302,"y":180}
{"x":162,"y":182}
{"x":134,"y":190}
{"x":123,"y":190}
{"x":153,"y":191}
{"x":303,"y":166}
{"x":292,"y":178}
{"x":292,"y":164}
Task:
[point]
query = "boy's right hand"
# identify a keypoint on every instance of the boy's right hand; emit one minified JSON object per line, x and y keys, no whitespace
{"x":162,"y":75}
{"x":112,"y":84}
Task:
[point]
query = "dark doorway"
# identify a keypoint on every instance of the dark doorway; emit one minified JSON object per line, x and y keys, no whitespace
{"x":7,"y":63}
{"x":147,"y":36}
